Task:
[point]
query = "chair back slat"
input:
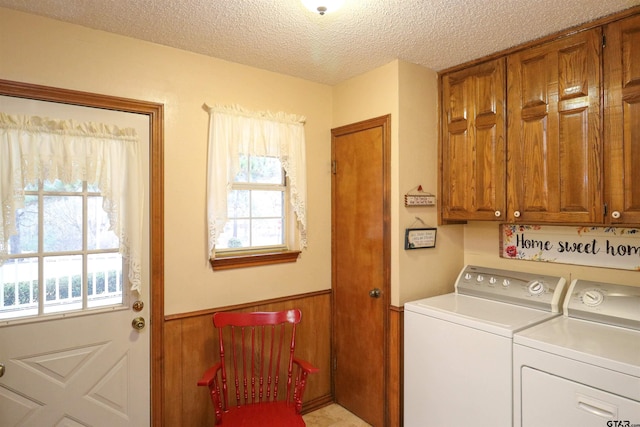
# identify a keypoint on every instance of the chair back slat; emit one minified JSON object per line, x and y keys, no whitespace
{"x":257,"y":345}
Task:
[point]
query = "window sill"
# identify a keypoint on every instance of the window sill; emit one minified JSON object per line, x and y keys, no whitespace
{"x":253,"y":260}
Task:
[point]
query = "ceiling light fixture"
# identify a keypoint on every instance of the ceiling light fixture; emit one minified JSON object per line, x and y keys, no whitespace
{"x":322,"y":6}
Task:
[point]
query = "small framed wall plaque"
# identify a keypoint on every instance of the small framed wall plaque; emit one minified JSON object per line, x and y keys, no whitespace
{"x":420,"y":238}
{"x":419,"y":200}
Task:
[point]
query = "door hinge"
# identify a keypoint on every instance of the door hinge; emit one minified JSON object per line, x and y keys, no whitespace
{"x":334,"y":167}
{"x":604,"y":40}
{"x":335,"y":364}
{"x":605,"y":210}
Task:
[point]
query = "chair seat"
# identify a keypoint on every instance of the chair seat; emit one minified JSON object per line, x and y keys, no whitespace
{"x":272,"y":414}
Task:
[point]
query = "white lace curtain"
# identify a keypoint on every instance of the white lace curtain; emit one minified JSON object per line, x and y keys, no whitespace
{"x":234,"y":131}
{"x":36,"y":148}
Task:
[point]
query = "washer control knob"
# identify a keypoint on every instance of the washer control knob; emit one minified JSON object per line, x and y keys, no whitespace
{"x":535,"y":287}
{"x":506,"y":283}
{"x":593,"y":297}
{"x":493,"y":280}
{"x":480,"y":278}
{"x":467,"y":276}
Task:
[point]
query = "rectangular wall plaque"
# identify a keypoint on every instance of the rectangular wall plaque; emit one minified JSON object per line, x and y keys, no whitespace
{"x":419,"y":238}
{"x":610,"y":247}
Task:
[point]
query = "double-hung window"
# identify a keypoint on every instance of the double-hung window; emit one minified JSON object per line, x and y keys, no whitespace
{"x":257,"y":209}
{"x":256,"y":189}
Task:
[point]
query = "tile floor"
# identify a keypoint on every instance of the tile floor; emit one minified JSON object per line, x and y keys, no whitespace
{"x":333,"y":416}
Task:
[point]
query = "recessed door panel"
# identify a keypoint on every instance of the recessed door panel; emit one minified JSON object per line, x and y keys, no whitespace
{"x":554,"y":165}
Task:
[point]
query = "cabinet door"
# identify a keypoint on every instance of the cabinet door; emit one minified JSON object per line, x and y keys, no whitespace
{"x":473,"y":144}
{"x":554,"y":141}
{"x":622,"y":121}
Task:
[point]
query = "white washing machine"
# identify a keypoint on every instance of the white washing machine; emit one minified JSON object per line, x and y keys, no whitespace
{"x":458,"y":347}
{"x":583,"y":368}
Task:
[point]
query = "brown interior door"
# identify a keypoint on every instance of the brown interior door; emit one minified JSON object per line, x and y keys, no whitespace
{"x":360,"y":266}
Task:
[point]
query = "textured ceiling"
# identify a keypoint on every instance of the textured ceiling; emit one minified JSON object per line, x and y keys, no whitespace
{"x":283,"y":36}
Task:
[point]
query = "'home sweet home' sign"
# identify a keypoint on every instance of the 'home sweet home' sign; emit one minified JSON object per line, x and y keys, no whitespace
{"x":594,"y":246}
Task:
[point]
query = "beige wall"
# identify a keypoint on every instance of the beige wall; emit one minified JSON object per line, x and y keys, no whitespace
{"x":422,"y":272}
{"x":47,"y":52}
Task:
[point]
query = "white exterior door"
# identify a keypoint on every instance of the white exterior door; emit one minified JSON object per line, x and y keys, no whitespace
{"x":83,"y":371}
{"x":79,"y":368}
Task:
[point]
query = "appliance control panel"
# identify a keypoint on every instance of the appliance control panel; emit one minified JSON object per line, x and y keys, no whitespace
{"x":528,"y":289}
{"x":608,"y":303}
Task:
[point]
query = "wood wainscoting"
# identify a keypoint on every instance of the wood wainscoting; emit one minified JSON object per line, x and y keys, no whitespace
{"x":395,"y":383}
{"x":190,"y":348}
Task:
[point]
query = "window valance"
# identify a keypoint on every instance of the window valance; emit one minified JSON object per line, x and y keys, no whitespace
{"x":234,"y":131}
{"x":36,"y":148}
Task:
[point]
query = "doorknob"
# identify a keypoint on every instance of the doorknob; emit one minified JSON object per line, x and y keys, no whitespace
{"x":1,"y":369}
{"x":374,"y":293}
{"x":138,"y":323}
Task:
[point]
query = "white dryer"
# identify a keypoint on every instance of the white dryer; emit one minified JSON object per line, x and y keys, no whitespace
{"x":458,"y":347}
{"x":583,"y":368}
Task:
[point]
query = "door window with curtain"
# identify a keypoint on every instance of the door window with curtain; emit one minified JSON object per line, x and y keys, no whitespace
{"x":71,"y":200}
{"x":256,"y":188}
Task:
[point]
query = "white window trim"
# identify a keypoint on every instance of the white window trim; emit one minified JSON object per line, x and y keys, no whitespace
{"x":245,"y":186}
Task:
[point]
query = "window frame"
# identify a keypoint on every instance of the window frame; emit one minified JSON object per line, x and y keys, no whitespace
{"x":229,"y":258}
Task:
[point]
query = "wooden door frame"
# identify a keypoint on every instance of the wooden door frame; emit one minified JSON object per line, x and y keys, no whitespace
{"x":155,"y":112}
{"x":385,"y":123}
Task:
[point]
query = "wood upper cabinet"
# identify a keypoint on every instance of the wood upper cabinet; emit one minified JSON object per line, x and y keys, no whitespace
{"x":549,"y":133}
{"x":473,"y":143}
{"x":622,"y":121}
{"x":554,"y":135}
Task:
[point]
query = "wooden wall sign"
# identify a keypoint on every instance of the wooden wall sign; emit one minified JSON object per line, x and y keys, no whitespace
{"x":609,"y":247}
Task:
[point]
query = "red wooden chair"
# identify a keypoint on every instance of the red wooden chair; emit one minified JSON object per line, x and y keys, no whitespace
{"x":258,"y":381}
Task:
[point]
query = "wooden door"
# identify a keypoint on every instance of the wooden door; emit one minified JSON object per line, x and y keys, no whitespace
{"x":622,"y":119}
{"x":554,"y":140}
{"x":89,"y":368}
{"x":360,"y":266}
{"x":473,"y":144}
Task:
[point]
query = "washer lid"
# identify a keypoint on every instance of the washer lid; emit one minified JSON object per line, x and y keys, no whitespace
{"x":607,"y":346}
{"x":479,"y":313}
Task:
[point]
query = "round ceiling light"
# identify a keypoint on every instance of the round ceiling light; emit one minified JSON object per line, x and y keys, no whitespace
{"x":322,"y":6}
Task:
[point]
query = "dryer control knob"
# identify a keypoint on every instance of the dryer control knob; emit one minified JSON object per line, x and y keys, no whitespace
{"x":536,"y":287}
{"x":593,"y":297}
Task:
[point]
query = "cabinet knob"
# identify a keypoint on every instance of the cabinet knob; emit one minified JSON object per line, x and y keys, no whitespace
{"x":516,"y":214}
{"x":615,"y":214}
{"x":498,"y":214}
